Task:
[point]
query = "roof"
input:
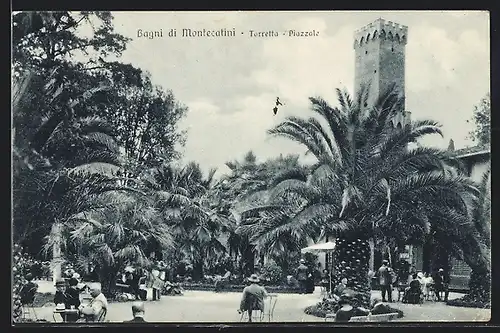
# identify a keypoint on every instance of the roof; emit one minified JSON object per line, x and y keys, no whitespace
{"x":472,"y":151}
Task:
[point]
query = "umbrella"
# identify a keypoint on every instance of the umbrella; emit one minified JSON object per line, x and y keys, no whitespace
{"x":322,"y":247}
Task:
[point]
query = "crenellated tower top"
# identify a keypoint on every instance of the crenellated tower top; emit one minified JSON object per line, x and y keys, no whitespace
{"x":381,"y":29}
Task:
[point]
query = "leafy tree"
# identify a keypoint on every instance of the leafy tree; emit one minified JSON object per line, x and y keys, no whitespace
{"x":366,"y":184}
{"x":70,"y":62}
{"x":46,"y":39}
{"x":18,"y":281}
{"x":482,"y":119}
{"x":66,"y":115}
{"x":249,"y":177}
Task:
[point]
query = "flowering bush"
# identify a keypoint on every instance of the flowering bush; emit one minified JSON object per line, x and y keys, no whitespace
{"x":272,"y":273}
{"x":19,"y":265}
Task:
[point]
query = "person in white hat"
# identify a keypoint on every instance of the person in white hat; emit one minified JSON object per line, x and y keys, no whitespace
{"x":253,"y":297}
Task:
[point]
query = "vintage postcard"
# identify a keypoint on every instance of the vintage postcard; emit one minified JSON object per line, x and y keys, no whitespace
{"x":234,"y":167}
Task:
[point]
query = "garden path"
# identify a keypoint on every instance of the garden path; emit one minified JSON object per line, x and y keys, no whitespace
{"x":206,"y":306}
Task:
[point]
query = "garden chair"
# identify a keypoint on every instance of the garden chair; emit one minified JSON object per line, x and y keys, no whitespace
{"x":253,"y":313}
{"x":431,"y":293}
{"x":27,"y":300}
{"x":401,"y":290}
{"x":102,"y":316}
{"x":273,"y":299}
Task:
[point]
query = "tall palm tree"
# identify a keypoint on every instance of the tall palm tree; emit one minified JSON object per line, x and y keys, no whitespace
{"x":366,"y":183}
{"x":182,"y":197}
{"x":57,"y":150}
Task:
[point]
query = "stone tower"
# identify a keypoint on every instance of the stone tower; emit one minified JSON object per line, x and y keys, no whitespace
{"x":380,"y":62}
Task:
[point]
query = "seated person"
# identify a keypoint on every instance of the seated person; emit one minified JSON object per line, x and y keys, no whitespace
{"x":347,"y":311}
{"x":94,"y":310}
{"x":137,"y":312}
{"x":60,"y":295}
{"x":72,"y":300}
{"x":325,"y":280}
{"x":413,"y":294}
{"x":253,"y":297}
{"x":28,"y":291}
{"x":340,"y":288}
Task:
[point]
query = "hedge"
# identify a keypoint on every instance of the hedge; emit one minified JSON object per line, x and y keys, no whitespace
{"x":238,"y":288}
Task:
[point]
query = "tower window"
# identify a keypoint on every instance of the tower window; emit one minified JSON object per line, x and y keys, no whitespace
{"x":375,"y":71}
{"x":392,"y":49}
{"x":366,"y":52}
{"x":366,"y":104}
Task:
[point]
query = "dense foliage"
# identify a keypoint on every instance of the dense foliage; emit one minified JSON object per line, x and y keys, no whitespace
{"x":482,"y":121}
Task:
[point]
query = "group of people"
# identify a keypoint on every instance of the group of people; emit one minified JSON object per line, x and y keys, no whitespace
{"x":420,"y":285}
{"x":67,"y":297}
{"x":136,"y":282}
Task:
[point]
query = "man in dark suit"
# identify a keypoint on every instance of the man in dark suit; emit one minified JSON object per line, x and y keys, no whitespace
{"x":385,"y":280}
{"x":442,"y":282}
{"x":137,"y":312}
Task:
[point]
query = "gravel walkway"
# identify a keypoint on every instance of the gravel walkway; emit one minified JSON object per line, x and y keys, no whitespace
{"x":206,"y":306}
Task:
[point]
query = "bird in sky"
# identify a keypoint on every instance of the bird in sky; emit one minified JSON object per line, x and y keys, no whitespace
{"x":278,"y":103}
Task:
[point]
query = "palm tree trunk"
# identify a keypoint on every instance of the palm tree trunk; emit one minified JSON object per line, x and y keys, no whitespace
{"x":198,"y":270}
{"x":56,"y":252}
{"x":107,"y":278}
{"x":351,"y":259}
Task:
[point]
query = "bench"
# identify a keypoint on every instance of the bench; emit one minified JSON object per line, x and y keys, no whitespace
{"x":375,"y":318}
{"x":362,"y":319}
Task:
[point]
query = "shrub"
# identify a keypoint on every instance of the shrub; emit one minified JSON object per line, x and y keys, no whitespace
{"x":272,"y":272}
{"x":331,"y":306}
{"x":315,"y":310}
{"x":467,"y":302}
{"x":19,"y":266}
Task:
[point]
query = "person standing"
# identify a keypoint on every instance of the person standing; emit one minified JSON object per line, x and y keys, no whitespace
{"x":302,"y":272}
{"x":442,"y":282}
{"x":157,"y":284}
{"x":143,"y":289}
{"x":385,"y":280}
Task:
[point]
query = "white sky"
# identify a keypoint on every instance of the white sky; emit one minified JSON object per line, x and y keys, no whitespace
{"x":230,"y":84}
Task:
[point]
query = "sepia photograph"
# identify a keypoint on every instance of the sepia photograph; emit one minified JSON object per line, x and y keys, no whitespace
{"x":231,"y":167}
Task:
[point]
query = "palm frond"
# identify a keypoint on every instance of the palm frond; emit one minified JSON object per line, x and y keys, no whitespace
{"x":95,"y":168}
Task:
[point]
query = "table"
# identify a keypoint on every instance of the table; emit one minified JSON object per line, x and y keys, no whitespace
{"x":64,"y":313}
